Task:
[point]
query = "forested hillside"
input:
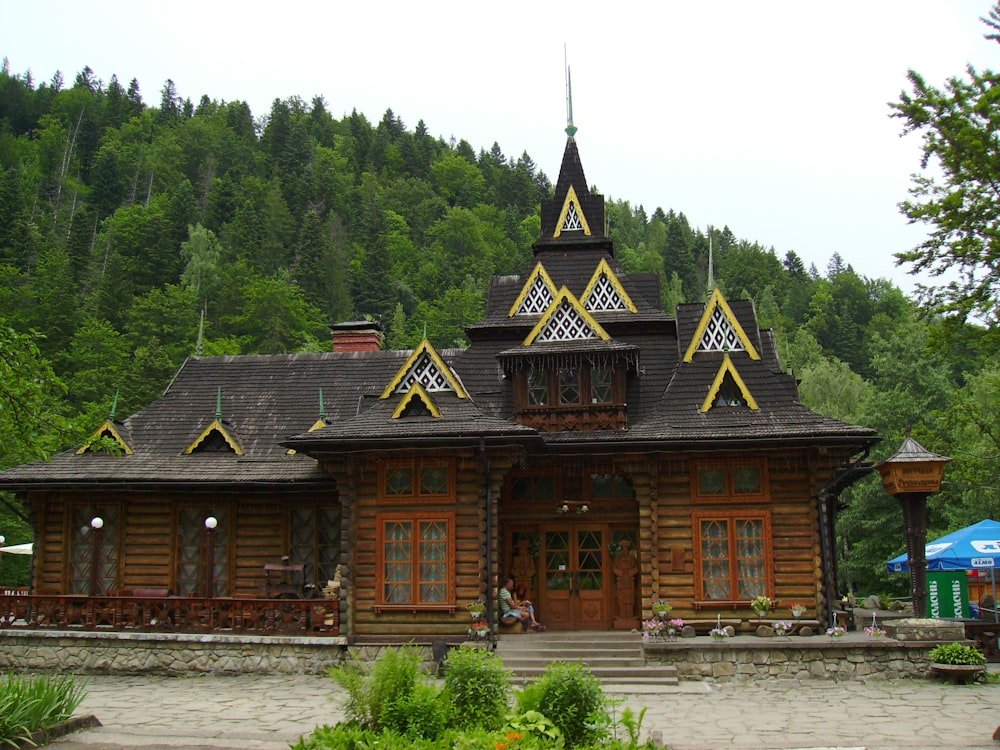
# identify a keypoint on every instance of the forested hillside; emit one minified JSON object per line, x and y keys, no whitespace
{"x":133,"y":235}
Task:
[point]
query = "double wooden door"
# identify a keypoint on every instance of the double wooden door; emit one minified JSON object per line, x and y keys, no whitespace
{"x":575,"y":583}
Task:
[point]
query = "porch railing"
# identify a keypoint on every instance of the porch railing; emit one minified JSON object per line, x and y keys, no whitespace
{"x":170,"y":614}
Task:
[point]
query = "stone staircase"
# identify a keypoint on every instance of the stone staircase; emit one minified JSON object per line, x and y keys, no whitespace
{"x":614,"y":657}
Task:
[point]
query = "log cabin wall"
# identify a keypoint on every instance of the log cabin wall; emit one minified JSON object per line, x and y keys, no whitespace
{"x":670,"y":511}
{"x":145,"y":548}
{"x":377,"y":612}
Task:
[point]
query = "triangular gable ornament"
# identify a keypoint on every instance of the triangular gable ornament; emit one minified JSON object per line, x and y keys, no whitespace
{"x":605,"y":292}
{"x":416,"y":395}
{"x":426,"y":368}
{"x":571,"y":218}
{"x":106,"y":430}
{"x":536,"y":295}
{"x":719,"y":331}
{"x":728,"y":368}
{"x":216,"y":428}
{"x":566,"y":320}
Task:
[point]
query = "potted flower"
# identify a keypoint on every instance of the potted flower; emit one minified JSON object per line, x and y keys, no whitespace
{"x":661,"y":608}
{"x":652,"y":628}
{"x":873,"y":630}
{"x":479,"y":630}
{"x":797,"y":610}
{"x":674,"y":627}
{"x":957,"y":662}
{"x":718,"y":633}
{"x":836,"y":632}
{"x":783,"y":627}
{"x":476,"y":608}
{"x":761,"y":605}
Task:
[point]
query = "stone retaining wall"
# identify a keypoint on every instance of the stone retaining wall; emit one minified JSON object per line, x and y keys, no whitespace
{"x":747,"y":658}
{"x":134,"y":653}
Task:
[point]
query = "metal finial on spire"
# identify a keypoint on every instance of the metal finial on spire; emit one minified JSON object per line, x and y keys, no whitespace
{"x":322,"y":406}
{"x":218,"y":404}
{"x":199,"y":347}
{"x":425,"y":331}
{"x":114,"y":407}
{"x":570,"y":127}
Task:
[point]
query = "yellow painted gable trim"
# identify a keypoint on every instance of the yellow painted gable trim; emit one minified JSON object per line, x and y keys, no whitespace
{"x":539,"y":272}
{"x":718,"y":300}
{"x":115,"y":435}
{"x":563,"y":295}
{"x":417,"y":391}
{"x":713,"y":392}
{"x":571,"y":198}
{"x":604,"y":268}
{"x":216,"y":426}
{"x":425,"y":347}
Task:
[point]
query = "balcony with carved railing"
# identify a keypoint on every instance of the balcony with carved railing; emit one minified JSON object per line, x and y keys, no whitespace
{"x":573,"y":418}
{"x":169,"y":614}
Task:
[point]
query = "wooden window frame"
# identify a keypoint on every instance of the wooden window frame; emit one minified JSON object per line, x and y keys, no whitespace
{"x":730,"y":517}
{"x":418,"y":465}
{"x":730,"y":495}
{"x":414,"y":605}
{"x":554,"y":393}
{"x":557,"y":486}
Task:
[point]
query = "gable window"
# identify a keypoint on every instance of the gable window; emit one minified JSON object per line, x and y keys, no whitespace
{"x":600,"y":385}
{"x":730,"y":482}
{"x":538,"y":388}
{"x":732,"y":556}
{"x":569,"y":385}
{"x":416,"y":559}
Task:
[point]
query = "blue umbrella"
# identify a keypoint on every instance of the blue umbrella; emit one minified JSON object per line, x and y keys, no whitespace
{"x":975,"y":547}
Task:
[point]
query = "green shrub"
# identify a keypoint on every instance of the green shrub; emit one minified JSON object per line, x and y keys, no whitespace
{"x":477,"y":687}
{"x":957,"y":653}
{"x":421,"y":714}
{"x":376,"y":696}
{"x":572,"y":698}
{"x":30,"y":704}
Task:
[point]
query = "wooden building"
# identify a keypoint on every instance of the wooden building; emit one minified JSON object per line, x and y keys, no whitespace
{"x":603,"y":452}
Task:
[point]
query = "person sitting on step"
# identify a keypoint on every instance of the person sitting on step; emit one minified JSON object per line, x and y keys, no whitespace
{"x":512,"y":610}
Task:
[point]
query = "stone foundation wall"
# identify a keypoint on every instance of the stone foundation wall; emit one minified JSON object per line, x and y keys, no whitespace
{"x":134,"y":653}
{"x":794,"y":658}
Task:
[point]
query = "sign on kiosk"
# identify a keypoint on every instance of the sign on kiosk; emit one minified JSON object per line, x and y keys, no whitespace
{"x":948,"y":594}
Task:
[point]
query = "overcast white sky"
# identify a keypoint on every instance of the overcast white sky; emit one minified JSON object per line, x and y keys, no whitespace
{"x":770,"y":117}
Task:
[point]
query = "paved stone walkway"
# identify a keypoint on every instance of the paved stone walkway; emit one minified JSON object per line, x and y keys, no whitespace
{"x":271,"y":712}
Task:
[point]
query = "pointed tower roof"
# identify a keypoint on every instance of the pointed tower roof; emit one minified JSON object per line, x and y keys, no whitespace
{"x":574,"y":217}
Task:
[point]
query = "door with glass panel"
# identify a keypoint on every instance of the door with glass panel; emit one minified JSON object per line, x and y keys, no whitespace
{"x":574,"y":590}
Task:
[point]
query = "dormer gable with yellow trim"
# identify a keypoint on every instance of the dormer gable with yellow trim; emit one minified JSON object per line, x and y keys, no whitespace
{"x":538,"y":293}
{"x":605,"y":292}
{"x":719,"y":331}
{"x":98,"y":442}
{"x":728,"y":389}
{"x":566,"y":320}
{"x":215,"y":438}
{"x":426,"y":368}
{"x":571,"y":217}
{"x":417,"y":402}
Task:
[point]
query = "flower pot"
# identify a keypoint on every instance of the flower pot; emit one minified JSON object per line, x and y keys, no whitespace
{"x":957,"y":673}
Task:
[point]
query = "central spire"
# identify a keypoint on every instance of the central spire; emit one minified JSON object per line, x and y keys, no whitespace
{"x":570,"y":127}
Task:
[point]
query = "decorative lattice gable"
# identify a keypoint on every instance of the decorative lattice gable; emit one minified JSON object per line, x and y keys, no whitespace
{"x":605,"y":292}
{"x":572,"y":218}
{"x":538,"y":293}
{"x":731,"y":387}
{"x":566,"y":320}
{"x":719,"y":331}
{"x":426,"y":368}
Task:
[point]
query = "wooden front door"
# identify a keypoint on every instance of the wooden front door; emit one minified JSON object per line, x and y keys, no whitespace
{"x":575,"y":586}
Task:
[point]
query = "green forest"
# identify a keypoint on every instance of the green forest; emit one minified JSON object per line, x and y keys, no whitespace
{"x":136,"y":233}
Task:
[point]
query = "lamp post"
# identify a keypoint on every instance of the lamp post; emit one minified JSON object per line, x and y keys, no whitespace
{"x":96,"y":523}
{"x":210,"y":525}
{"x":911,"y":475}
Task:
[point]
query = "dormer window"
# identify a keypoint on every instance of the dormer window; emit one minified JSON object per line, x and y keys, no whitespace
{"x":583,"y":396}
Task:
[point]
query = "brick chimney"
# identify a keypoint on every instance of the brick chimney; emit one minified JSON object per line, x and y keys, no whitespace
{"x":356,"y":336}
